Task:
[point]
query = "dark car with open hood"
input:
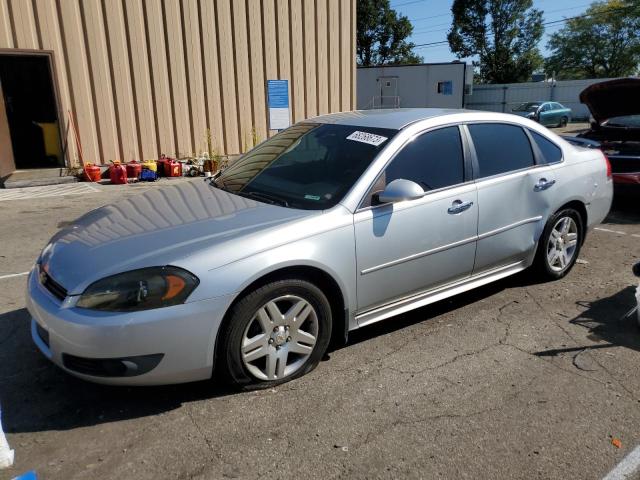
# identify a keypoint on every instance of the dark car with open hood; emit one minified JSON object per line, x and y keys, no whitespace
{"x":615,"y":128}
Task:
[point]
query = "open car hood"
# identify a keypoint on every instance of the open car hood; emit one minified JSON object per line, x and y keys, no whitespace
{"x":614,"y":98}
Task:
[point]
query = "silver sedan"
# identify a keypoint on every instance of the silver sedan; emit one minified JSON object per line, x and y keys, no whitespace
{"x":333,"y":224}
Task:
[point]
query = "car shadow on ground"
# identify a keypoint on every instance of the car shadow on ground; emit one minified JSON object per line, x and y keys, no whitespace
{"x":624,"y":210}
{"x":610,"y":321}
{"x":37,"y":396}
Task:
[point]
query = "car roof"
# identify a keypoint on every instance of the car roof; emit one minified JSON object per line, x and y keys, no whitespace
{"x":396,"y":118}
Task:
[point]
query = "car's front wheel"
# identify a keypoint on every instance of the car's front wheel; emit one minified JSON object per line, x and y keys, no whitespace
{"x":276,"y":333}
{"x":559,"y":244}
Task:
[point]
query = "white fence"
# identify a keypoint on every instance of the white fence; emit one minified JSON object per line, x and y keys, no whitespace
{"x":503,"y":97}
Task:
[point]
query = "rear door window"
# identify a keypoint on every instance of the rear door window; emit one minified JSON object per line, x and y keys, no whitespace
{"x":500,"y":148}
{"x":551,"y":153}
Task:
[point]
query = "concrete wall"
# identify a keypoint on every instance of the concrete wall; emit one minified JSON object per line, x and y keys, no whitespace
{"x":416,"y":85}
{"x":503,"y":97}
{"x":149,"y":76}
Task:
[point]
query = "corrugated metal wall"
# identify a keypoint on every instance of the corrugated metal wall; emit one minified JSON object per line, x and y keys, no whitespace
{"x":149,"y":76}
{"x":504,"y":97}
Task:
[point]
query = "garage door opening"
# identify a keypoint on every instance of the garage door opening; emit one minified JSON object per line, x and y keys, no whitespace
{"x":29,"y":124}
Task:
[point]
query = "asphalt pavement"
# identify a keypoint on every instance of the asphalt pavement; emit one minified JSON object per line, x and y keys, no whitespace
{"x":517,"y":379}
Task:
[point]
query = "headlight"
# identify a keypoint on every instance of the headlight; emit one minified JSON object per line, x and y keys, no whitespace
{"x":142,"y":289}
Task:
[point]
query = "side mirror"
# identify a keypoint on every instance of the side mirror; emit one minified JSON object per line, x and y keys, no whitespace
{"x":400,"y":190}
{"x":636,"y":269}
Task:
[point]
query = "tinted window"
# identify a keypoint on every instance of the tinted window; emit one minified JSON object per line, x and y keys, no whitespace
{"x":500,"y":148}
{"x":309,"y":165}
{"x":551,"y":153}
{"x":432,"y":160}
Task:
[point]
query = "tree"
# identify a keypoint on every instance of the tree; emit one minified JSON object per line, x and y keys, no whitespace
{"x":382,"y":34}
{"x":502,"y":34}
{"x":601,"y":43}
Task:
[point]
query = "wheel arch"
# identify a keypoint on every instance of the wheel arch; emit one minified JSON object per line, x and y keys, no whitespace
{"x":319,"y":277}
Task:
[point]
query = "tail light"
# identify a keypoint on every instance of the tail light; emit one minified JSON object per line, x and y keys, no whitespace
{"x":608,"y":164}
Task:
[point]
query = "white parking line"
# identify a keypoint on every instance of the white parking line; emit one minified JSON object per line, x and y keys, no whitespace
{"x":627,"y":467}
{"x":610,"y":231}
{"x":2,"y":277}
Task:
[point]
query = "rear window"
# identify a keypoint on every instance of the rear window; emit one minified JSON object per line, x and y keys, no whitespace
{"x":551,"y":153}
{"x":500,"y":148}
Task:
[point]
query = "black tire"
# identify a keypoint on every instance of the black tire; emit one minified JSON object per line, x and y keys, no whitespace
{"x":242,"y":315}
{"x":563,"y":122}
{"x":541,"y":262}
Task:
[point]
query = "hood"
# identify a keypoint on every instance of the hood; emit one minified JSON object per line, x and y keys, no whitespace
{"x":614,"y":98}
{"x":524,"y":114}
{"x":158,"y":227}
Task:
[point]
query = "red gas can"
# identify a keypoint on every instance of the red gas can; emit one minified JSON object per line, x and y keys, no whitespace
{"x":133,"y":169}
{"x":118,"y":173}
{"x":172,"y":168}
{"x":161,"y":163}
{"x":92,"y":173}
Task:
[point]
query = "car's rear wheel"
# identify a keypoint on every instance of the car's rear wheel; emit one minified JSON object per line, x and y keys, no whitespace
{"x":276,"y":333}
{"x":559,"y":245}
{"x":564,"y":121}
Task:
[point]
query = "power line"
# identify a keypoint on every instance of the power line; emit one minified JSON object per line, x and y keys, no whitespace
{"x":407,"y":3}
{"x":613,"y":9}
{"x":545,"y":12}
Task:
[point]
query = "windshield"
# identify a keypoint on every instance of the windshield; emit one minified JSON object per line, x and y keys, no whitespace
{"x":526,"y":107}
{"x":627,"y":121}
{"x":309,"y":166}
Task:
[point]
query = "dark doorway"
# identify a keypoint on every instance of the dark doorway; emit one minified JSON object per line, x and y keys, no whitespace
{"x":31,"y":110}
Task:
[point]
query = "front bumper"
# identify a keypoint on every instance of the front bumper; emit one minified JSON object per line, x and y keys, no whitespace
{"x":185,"y":335}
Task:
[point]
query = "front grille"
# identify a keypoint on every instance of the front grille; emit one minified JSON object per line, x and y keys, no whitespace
{"x":43,"y":334}
{"x":624,"y":164}
{"x":54,"y":287}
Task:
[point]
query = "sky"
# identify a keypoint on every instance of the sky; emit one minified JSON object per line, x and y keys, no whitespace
{"x":431,"y":21}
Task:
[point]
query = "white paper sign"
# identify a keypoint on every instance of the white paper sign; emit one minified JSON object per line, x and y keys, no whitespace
{"x":279,"y":118}
{"x":365,"y":137}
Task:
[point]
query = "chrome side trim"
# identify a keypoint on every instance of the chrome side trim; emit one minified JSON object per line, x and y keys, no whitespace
{"x":430,"y":296}
{"x":509,"y":227}
{"x":450,"y":245}
{"x":418,"y":255}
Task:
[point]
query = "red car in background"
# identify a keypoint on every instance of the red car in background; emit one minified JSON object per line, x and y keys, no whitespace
{"x":615,"y":128}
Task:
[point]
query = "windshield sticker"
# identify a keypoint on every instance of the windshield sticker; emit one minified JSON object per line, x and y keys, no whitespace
{"x":365,"y":137}
{"x":312,"y":197}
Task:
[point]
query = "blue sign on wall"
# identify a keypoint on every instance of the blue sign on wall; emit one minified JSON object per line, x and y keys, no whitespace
{"x":278,"y":103}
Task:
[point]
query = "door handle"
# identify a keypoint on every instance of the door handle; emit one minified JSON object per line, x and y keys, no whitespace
{"x":543,"y":184}
{"x":459,"y":206}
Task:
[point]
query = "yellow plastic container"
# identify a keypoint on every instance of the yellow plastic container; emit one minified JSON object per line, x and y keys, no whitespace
{"x":51,"y":136}
{"x":151,"y":165}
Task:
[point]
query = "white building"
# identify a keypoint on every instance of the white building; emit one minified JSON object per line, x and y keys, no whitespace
{"x":441,"y":85}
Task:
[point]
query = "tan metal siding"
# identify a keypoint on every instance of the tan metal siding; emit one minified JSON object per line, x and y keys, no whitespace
{"x":212,"y":75}
{"x":334,"y":56}
{"x":322,"y":39}
{"x":144,"y":77}
{"x":6,"y":32}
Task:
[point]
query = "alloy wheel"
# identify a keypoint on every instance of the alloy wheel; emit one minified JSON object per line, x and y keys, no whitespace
{"x":279,"y":338}
{"x":562,"y":245}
